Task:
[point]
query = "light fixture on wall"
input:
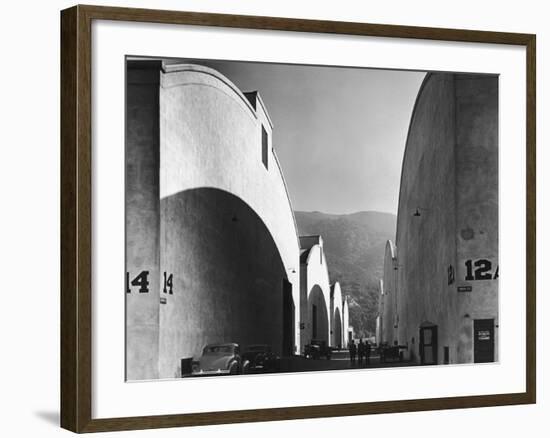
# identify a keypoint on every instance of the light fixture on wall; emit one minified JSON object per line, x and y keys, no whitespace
{"x":417,"y":211}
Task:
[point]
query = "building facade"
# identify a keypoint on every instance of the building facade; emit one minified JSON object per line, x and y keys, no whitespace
{"x":212,"y":246}
{"x":445,"y":302}
{"x":212,"y":249}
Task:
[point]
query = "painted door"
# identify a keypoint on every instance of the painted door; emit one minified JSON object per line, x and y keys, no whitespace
{"x":428,"y":345}
{"x":484,"y":340}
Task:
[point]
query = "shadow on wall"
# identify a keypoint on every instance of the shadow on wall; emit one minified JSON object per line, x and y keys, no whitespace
{"x":318,"y":315}
{"x":228,"y":278}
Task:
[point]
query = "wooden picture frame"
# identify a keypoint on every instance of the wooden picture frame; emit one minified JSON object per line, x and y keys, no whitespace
{"x":76,"y":217}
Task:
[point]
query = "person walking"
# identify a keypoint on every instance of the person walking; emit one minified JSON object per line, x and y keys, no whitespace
{"x":367,"y":353}
{"x":360,"y":351}
{"x":352,"y":351}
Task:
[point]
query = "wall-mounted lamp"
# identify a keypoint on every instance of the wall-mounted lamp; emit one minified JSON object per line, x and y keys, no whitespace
{"x":467,"y":315}
{"x":417,"y":211}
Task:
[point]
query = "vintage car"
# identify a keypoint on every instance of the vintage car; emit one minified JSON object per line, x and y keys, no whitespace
{"x":218,"y":359}
{"x":260,"y":359}
{"x":317,"y":349}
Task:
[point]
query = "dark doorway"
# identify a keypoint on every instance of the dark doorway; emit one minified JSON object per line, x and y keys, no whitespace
{"x":288,"y":319}
{"x":428,"y":344}
{"x":484,"y":340}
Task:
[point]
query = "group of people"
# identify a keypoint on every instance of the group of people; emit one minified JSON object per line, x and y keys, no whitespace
{"x":360,"y":351}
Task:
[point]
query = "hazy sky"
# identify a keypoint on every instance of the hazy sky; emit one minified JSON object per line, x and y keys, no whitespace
{"x":339,"y":133}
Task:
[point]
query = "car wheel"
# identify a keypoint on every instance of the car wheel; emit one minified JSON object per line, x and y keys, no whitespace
{"x":234,"y":368}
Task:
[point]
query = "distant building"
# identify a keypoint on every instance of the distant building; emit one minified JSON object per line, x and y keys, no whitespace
{"x":379,"y":328}
{"x":338,"y":323}
{"x":445,"y":301}
{"x":314,"y":291}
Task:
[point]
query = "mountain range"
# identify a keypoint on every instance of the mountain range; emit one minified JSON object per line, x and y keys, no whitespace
{"x":354,"y":247}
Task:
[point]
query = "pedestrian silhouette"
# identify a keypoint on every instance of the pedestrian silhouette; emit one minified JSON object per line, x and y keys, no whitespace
{"x":352,"y":351}
{"x":360,"y":351}
{"x":367,"y":353}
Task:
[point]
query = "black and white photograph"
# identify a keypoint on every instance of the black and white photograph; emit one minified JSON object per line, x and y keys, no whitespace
{"x":285,"y":218}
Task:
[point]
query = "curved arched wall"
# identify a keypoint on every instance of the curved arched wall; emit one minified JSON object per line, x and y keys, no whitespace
{"x":336,"y":322}
{"x":448,"y":213}
{"x":345,"y":322}
{"x":217,"y":179}
{"x":315,"y":291}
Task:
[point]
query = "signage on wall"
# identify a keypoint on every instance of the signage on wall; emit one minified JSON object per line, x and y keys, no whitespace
{"x":142,"y":281}
{"x":480,"y":269}
{"x":484,"y":335}
{"x":464,"y":288}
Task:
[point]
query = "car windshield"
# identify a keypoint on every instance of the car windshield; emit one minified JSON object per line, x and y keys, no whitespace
{"x":218,"y":349}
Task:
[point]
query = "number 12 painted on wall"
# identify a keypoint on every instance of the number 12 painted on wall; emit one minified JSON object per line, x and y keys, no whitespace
{"x":482,"y":270}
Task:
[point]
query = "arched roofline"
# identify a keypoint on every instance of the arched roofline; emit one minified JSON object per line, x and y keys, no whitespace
{"x":325,"y":264}
{"x":333,"y":288}
{"x":318,"y":286}
{"x":196,"y":68}
{"x":428,"y":76}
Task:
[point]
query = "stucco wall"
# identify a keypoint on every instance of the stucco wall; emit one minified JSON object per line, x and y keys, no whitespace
{"x":211,"y":136}
{"x":224,"y":225}
{"x":345,"y":321}
{"x":228,"y":277}
{"x":426,"y":243}
{"x":315,"y":291}
{"x":142,"y":218}
{"x":477,"y":202}
{"x":449,"y":184}
{"x":336,"y":313}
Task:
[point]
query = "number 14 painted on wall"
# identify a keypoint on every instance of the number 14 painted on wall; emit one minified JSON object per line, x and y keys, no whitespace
{"x":142,"y":280}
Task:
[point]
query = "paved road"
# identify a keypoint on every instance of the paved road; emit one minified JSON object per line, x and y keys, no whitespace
{"x":339,"y":361}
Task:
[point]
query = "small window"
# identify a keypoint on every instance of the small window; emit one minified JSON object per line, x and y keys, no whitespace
{"x":265,"y":146}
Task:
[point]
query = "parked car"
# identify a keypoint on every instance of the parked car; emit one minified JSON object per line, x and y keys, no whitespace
{"x":317,"y":349}
{"x":219,"y":359}
{"x":260,"y":359}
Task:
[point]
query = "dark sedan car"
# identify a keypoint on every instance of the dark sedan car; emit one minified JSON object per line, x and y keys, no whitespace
{"x":317,"y":349}
{"x":219,"y":359}
{"x":260,"y":359}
